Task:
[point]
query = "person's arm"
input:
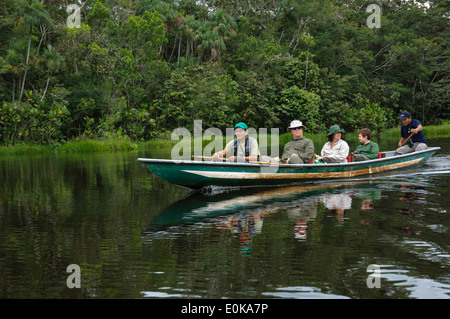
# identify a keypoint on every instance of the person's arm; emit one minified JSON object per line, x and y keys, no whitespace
{"x":417,"y":129}
{"x":254,"y":152}
{"x":308,"y":152}
{"x":402,"y":137}
{"x":324,"y":154}
{"x":286,"y":153}
{"x":324,"y":150}
{"x":223,"y":152}
{"x":342,"y":152}
{"x":220,"y":154}
{"x":375,"y":150}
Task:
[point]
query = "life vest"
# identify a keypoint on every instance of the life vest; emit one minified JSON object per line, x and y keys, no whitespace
{"x":248,"y":141}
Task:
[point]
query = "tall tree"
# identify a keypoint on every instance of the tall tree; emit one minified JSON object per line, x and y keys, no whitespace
{"x":30,"y":14}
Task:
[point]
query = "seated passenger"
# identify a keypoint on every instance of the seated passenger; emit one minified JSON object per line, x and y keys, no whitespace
{"x":242,"y":148}
{"x":336,"y":149}
{"x":300,"y":149}
{"x":367,"y":150}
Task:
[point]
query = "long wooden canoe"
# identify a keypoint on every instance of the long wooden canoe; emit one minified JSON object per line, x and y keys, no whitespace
{"x":200,"y":174}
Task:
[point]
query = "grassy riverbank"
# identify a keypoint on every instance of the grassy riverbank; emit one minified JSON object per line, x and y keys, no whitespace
{"x":124,"y":144}
{"x":75,"y":146}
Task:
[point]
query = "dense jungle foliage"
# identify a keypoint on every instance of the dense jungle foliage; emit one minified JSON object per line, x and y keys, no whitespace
{"x":141,"y":68}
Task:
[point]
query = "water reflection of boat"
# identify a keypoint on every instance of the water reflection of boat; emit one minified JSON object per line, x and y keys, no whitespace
{"x":198,"y":207}
{"x":198,"y":174}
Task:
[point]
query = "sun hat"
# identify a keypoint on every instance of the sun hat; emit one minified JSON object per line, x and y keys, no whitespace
{"x":241,"y":125}
{"x":335,"y":129}
{"x":296,"y":123}
{"x":405,"y":115}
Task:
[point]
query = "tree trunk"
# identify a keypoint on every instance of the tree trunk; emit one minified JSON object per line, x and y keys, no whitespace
{"x":179,"y":49}
{"x":26,"y":67}
{"x":306,"y":72}
{"x":14,"y":88}
{"x":46,"y":87}
{"x":171,"y":53}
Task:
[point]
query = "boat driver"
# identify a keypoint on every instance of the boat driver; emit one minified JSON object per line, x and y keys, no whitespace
{"x":416,"y":142}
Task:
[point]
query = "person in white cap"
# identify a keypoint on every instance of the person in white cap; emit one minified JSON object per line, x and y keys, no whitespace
{"x":300,"y":150}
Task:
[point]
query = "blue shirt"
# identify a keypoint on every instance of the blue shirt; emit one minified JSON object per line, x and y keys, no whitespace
{"x":406,"y":131}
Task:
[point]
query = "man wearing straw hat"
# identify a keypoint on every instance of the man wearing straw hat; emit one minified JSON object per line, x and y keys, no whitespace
{"x":299,"y":150}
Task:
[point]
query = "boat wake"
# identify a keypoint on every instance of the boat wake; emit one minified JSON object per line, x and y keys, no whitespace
{"x":217,"y":190}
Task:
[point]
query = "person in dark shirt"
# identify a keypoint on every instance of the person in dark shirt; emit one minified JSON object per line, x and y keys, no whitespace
{"x":417,"y":141}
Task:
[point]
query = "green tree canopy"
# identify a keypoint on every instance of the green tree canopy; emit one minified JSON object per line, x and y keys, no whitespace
{"x":142,"y":68}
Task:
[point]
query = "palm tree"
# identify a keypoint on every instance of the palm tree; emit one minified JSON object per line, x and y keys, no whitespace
{"x":53,"y":61}
{"x":214,"y":33}
{"x":31,"y":14}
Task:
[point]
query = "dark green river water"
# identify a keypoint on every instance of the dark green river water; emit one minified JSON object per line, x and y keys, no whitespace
{"x":133,"y":235}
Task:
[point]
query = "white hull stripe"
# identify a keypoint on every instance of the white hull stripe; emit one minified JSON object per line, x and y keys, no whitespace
{"x":305,"y":175}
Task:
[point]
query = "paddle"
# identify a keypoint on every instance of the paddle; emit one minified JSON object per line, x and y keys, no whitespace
{"x":225,"y":159}
{"x":209,"y":157}
{"x":406,"y":140}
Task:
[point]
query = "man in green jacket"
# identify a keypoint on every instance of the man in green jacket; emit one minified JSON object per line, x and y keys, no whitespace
{"x":367,"y":150}
{"x":300,"y":150}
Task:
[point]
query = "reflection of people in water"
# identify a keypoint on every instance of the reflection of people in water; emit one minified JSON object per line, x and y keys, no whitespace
{"x":367,"y":204}
{"x":246,"y":226}
{"x":411,"y":212}
{"x":368,"y":197}
{"x":249,"y":225}
{"x":410,"y":231}
{"x":302,"y":214}
{"x":338,"y":203}
{"x":413,"y":197}
{"x":300,"y":229}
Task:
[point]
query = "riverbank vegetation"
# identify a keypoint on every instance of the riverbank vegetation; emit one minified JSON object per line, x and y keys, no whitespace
{"x":134,"y":71}
{"x":74,"y":146}
{"x":126,"y":144}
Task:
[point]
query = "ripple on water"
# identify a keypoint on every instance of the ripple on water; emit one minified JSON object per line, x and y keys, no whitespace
{"x":301,"y":292}
{"x":427,"y":251}
{"x":164,"y":295}
{"x":421,"y":288}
